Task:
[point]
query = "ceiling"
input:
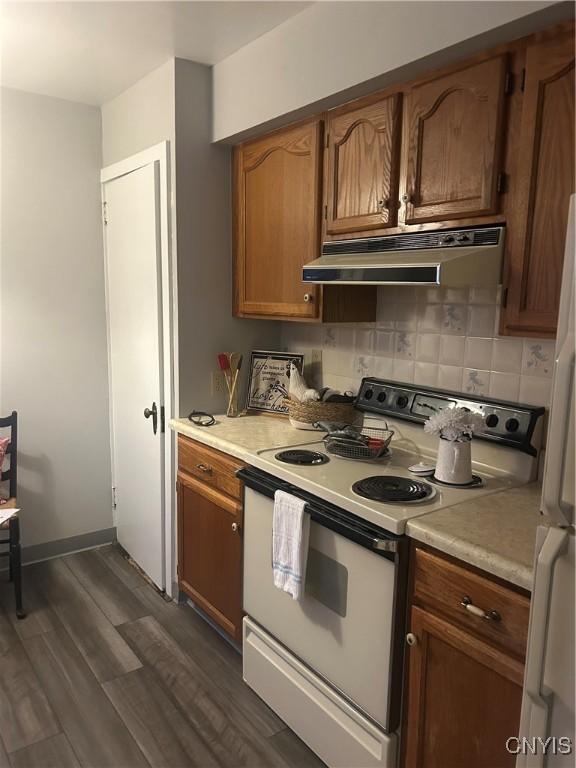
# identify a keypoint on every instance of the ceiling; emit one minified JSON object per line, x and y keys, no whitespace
{"x":92,"y":51}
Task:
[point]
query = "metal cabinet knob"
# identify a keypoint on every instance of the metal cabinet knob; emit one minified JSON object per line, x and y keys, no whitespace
{"x":308,"y":298}
{"x":411,"y":639}
{"x":235,"y":527}
{"x":405,"y":198}
{"x":383,"y":204}
{"x":204,"y":468}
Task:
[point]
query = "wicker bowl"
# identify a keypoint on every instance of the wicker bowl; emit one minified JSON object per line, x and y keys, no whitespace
{"x":304,"y":415}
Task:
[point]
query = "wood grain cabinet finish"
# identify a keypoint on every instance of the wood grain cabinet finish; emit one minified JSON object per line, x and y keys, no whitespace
{"x":464,"y":698}
{"x":452,"y":144}
{"x":210,"y":532}
{"x":363,"y":153}
{"x":540,"y":196}
{"x":464,"y":673}
{"x":277,"y":205}
{"x":442,"y":586}
{"x":216,"y":469}
{"x":210,"y":552}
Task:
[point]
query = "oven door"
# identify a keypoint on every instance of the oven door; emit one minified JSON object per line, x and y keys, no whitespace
{"x":347,"y":625}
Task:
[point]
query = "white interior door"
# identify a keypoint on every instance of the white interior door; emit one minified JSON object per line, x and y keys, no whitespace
{"x":133,"y":257}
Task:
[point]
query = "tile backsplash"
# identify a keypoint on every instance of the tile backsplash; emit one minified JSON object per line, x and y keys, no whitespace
{"x":439,"y":337}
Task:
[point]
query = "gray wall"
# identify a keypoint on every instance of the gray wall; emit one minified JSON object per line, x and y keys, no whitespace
{"x":332,"y":48}
{"x":174,"y":103}
{"x":54,"y":360}
{"x":140,"y":117}
{"x":203,"y":195}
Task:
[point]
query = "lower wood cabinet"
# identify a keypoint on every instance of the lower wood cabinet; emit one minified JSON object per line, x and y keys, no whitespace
{"x":464,"y":687}
{"x":209,"y":539}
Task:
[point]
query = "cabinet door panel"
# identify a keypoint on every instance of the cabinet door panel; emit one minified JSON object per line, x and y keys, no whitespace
{"x":539,"y":215}
{"x":363,"y":161}
{"x":464,"y":699}
{"x":453,"y":144}
{"x":210,"y":552}
{"x":278,"y":201}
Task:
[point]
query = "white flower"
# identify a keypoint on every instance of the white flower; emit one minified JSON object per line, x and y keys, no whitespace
{"x":454,"y":424}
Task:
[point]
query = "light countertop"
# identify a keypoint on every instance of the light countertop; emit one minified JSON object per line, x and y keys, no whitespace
{"x":495,"y":533}
{"x":246,"y":435}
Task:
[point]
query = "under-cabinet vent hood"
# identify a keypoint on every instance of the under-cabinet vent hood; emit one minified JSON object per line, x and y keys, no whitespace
{"x":454,"y":258}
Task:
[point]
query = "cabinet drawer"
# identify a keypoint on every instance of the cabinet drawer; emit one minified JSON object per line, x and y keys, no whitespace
{"x":214,"y":468}
{"x":443,"y":586}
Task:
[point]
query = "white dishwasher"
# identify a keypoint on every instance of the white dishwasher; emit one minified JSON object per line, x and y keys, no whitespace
{"x":329,"y":664}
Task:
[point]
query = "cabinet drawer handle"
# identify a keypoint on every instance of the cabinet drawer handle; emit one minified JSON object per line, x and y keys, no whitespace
{"x":308,"y":298}
{"x":235,"y":527}
{"x":383,"y":204}
{"x":204,"y":468}
{"x":475,"y":611}
{"x":411,"y":639}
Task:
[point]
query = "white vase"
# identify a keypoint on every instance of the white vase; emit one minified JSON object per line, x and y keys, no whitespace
{"x":454,"y":462}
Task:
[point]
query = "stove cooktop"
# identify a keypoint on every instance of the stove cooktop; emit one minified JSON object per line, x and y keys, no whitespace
{"x":335,"y":481}
{"x":390,"y":489}
{"x":301,"y":457}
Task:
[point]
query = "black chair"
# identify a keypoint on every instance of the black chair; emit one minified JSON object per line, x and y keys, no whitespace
{"x":12,"y":526}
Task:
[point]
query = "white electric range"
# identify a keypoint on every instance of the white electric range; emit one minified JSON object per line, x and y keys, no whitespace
{"x":331,"y":663}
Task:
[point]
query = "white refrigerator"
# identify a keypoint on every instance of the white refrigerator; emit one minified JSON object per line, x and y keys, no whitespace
{"x":547,"y":721}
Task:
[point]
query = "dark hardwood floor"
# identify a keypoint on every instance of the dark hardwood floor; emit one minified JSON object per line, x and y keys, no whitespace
{"x":104,"y":673}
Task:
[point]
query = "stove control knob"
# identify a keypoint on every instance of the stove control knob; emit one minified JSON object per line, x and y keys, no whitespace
{"x":447,"y":239}
{"x":369,"y":394}
{"x":512,"y":425}
{"x":381,"y":397}
{"x":492,"y":420}
{"x":463,"y":238}
{"x":401,"y":401}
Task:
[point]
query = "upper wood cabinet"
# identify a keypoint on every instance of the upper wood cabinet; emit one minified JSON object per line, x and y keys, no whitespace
{"x":362,"y":166}
{"x":452,"y":144}
{"x":541,"y":192}
{"x":487,"y":141}
{"x":277,"y":205}
{"x":277,"y":202}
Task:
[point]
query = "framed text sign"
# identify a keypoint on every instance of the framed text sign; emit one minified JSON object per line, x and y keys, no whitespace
{"x":270,"y":379}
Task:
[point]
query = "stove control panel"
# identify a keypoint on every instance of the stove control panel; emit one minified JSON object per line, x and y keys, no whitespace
{"x":510,"y":424}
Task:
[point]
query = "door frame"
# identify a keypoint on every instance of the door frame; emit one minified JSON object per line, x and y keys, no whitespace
{"x":159,"y":156}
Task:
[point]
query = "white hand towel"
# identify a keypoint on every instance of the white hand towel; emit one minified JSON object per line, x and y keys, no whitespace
{"x":290,"y":532}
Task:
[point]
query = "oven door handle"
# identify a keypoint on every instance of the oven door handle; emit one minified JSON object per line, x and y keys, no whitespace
{"x":382,"y":546}
{"x":378,"y":544}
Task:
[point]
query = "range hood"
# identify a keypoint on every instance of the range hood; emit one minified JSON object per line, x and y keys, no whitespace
{"x":453,"y":258}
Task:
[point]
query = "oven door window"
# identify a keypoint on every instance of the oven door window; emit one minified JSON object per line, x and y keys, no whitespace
{"x":327,"y":581}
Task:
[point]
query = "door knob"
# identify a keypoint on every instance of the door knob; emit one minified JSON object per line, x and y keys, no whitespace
{"x":154,"y":413}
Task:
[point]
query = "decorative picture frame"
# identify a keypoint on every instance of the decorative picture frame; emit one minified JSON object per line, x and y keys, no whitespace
{"x":269,"y":380}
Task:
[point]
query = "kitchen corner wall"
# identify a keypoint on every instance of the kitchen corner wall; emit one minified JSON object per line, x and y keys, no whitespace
{"x":436,"y":337}
{"x":54,"y":360}
{"x":173,"y":103}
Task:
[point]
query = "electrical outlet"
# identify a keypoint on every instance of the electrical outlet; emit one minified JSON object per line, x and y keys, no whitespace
{"x":218,"y":383}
